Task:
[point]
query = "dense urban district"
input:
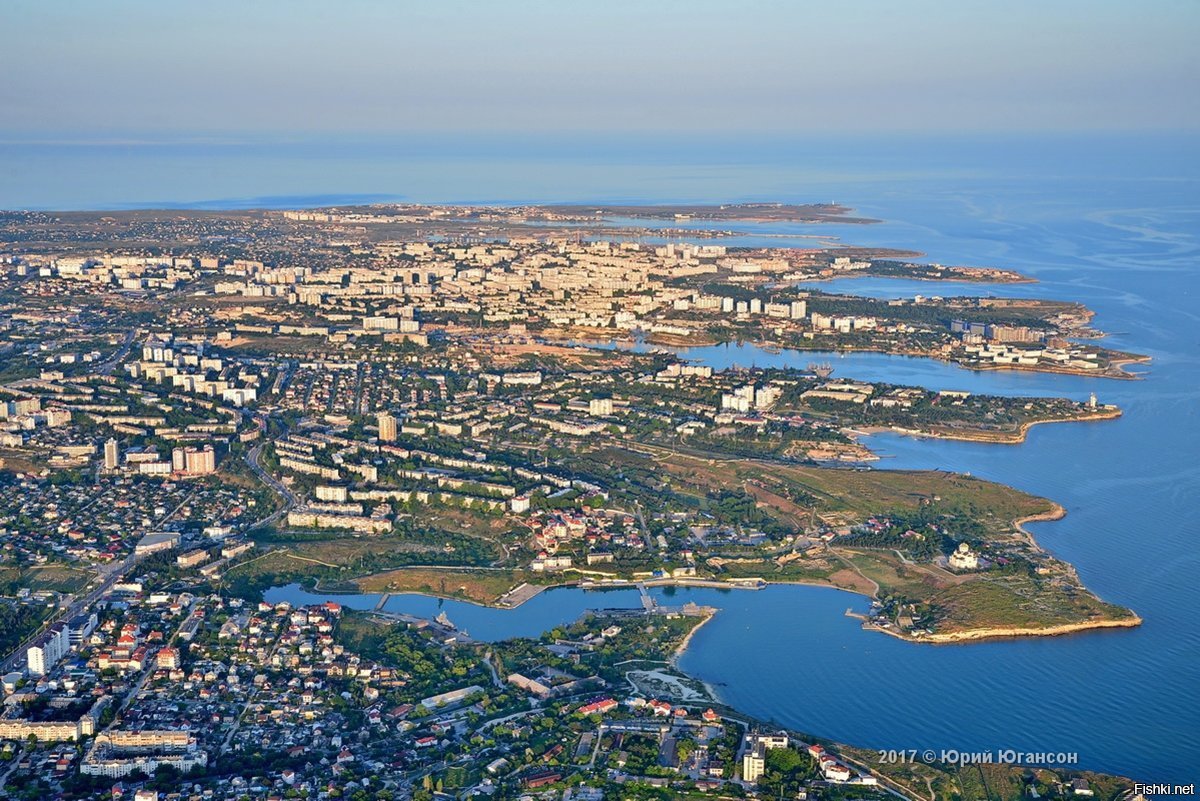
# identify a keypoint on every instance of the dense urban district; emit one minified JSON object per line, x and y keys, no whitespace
{"x":482,"y":403}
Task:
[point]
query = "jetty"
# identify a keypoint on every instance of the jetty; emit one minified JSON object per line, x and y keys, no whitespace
{"x":651,"y":606}
{"x":441,"y":627}
{"x":648,"y":602}
{"x":519,"y":594}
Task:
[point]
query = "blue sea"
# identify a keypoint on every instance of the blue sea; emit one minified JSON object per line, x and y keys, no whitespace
{"x":1113,"y":222}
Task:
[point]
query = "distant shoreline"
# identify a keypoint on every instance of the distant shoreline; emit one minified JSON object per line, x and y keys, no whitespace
{"x":681,"y":344}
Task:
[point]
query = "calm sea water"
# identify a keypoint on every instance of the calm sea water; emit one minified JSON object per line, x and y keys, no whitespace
{"x":1113,"y":223}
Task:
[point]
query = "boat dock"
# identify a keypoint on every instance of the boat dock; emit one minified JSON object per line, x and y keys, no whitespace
{"x":648,"y":602}
{"x":519,"y":594}
{"x":441,"y":627}
{"x":651,"y":606}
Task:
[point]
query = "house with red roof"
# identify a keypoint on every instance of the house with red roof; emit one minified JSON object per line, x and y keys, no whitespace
{"x":599,"y":707}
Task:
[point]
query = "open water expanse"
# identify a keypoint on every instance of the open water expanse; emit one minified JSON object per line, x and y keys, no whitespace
{"x":1114,"y":224}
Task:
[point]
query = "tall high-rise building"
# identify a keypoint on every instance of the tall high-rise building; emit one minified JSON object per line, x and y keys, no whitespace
{"x":600,"y":407}
{"x":754,"y":764}
{"x":47,"y":649}
{"x":200,"y":461}
{"x":112,"y":454}
{"x":387,"y":427}
{"x":193,"y":461}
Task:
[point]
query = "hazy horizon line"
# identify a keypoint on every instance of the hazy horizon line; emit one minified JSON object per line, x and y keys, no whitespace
{"x":233,"y":138}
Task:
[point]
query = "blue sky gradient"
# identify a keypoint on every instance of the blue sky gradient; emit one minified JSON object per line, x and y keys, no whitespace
{"x":146,"y":69}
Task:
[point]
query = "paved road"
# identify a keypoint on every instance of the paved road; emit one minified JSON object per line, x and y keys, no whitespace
{"x":650,"y":541}
{"x":253,"y":459}
{"x":487,"y":660}
{"x":111,"y":575}
{"x":108,"y":365}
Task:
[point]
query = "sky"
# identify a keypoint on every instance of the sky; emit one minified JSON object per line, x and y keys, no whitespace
{"x":103,"y":70}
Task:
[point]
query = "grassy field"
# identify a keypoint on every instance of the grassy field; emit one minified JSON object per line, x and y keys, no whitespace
{"x":852,"y":494}
{"x":480,"y":586}
{"x":355,"y":554}
{"x":361,"y":633}
{"x":59,"y":578}
{"x":281,"y":567}
{"x":1018,"y":602}
{"x":17,"y":461}
{"x":338,"y":561}
{"x":888,"y":571}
